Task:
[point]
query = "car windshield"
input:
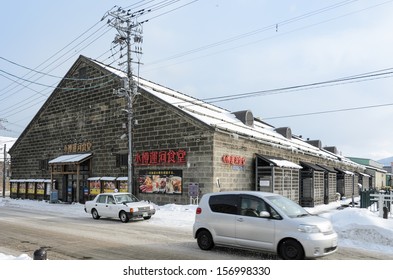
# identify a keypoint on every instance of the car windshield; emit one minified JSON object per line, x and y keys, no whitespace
{"x":290,"y":208}
{"x":125,"y":198}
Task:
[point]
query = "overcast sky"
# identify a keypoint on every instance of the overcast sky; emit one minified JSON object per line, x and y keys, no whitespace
{"x":216,"y":48}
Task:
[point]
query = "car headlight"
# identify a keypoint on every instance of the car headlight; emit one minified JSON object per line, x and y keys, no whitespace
{"x":308,"y":228}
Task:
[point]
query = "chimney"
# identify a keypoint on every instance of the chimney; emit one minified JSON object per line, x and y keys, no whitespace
{"x":245,"y":117}
{"x":315,"y":143}
{"x":332,"y":149}
{"x":284,"y":131}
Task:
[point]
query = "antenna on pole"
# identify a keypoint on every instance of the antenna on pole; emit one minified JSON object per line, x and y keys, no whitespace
{"x":129,"y":33}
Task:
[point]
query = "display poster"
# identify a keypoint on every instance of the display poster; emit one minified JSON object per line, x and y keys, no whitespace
{"x":95,"y":187}
{"x":14,"y":187}
{"x":22,"y":188}
{"x":161,"y":181}
{"x":123,"y":186}
{"x":40,"y":188}
{"x":109,"y":186}
{"x":31,"y":188}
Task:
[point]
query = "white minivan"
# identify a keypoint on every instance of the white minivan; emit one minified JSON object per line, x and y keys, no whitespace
{"x":262,"y":221}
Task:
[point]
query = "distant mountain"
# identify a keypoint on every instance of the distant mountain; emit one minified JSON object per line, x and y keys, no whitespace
{"x":386,"y":161}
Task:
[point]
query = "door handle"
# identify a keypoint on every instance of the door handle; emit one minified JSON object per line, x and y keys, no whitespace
{"x":240,"y":219}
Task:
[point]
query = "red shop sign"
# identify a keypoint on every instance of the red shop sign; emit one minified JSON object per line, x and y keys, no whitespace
{"x":233,"y":160}
{"x":160,"y":157}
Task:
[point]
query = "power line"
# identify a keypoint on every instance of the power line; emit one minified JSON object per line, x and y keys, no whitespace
{"x":330,"y":111}
{"x":17,"y":82}
{"x":272,"y":26}
{"x":387,"y":73}
{"x":254,"y":32}
{"x":49,"y":75}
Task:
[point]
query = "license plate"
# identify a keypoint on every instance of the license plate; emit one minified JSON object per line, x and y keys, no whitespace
{"x":145,"y":214}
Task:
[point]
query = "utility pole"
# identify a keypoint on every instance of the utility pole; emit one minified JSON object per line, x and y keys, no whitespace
{"x":5,"y":154}
{"x":129,"y":32}
{"x":4,"y":169}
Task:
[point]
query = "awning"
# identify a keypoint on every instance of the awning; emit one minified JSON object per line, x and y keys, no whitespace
{"x":311,"y":166}
{"x":122,"y":179}
{"x":108,"y":178}
{"x":93,"y":179}
{"x":280,"y":162}
{"x":363,"y":174}
{"x":70,"y":159}
{"x":327,"y":168}
{"x":345,"y":172}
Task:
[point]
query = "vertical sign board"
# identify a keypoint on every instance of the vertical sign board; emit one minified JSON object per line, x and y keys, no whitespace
{"x":193,"y":192}
{"x":193,"y":189}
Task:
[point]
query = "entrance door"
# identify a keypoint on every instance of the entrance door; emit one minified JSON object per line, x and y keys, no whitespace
{"x":70,"y":183}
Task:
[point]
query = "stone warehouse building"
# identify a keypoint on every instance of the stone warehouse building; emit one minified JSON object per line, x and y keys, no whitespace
{"x":183,"y":147}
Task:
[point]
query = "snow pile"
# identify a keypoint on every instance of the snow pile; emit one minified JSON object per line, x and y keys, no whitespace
{"x":9,"y":257}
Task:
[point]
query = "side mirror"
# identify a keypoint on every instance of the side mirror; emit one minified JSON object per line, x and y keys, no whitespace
{"x":264,"y":214}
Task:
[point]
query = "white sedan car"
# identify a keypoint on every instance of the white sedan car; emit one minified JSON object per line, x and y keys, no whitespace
{"x":124,"y":206}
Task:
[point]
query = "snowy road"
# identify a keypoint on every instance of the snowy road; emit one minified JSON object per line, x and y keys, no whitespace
{"x":69,"y":236}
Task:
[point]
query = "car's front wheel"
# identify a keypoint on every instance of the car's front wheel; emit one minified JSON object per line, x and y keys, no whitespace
{"x":94,"y":214}
{"x":147,"y":217}
{"x":291,"y":250}
{"x":205,"y":240}
{"x":123,"y":217}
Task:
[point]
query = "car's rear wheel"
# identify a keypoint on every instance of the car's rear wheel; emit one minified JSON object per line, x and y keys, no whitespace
{"x":205,"y":240}
{"x":94,"y":214}
{"x":291,"y":249}
{"x":123,"y":217}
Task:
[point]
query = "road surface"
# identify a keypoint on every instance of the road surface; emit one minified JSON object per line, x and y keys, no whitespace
{"x":66,"y":237}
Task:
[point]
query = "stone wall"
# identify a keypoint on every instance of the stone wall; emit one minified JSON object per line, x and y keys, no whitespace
{"x":83,"y":109}
{"x":162,"y":127}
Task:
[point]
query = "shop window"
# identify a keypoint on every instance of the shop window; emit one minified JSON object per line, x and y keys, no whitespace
{"x":43,"y":164}
{"x":82,"y":73}
{"x":121,"y":160}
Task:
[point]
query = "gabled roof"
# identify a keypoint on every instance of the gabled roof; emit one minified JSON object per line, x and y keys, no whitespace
{"x":218,"y":118}
{"x":224,"y":120}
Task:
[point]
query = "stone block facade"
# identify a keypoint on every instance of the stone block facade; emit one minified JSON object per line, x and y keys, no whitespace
{"x":170,"y":145}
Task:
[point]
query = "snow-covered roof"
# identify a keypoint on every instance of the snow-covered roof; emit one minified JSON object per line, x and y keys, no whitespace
{"x":226,"y":121}
{"x":121,"y":178}
{"x":108,"y":178}
{"x":93,"y":179}
{"x":74,"y":158}
{"x":286,"y":163}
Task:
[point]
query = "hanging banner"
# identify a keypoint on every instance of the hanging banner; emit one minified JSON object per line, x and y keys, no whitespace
{"x":161,"y":181}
